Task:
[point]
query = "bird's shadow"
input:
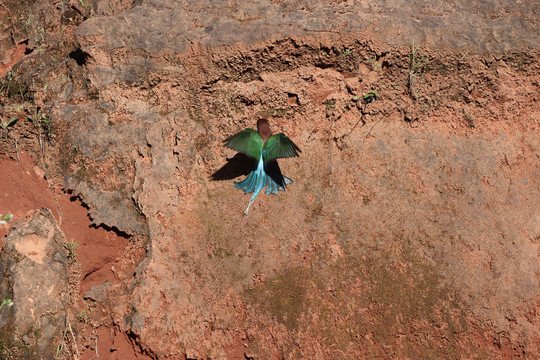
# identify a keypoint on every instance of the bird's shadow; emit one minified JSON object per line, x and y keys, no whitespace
{"x":241,"y":164}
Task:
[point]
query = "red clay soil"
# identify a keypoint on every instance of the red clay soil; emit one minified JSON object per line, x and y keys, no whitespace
{"x":25,"y":189}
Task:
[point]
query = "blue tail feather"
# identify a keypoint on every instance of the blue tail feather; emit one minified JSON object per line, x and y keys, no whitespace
{"x":258,"y":179}
{"x":248,"y":185}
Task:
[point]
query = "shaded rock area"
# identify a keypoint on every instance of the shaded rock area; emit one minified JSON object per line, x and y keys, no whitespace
{"x":411,"y":229}
{"x":33,"y":274}
{"x":172,"y":25}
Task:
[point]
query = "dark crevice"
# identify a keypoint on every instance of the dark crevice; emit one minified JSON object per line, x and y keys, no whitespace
{"x":27,"y":50}
{"x":324,"y":66}
{"x":78,"y":198}
{"x":114,"y":229}
{"x":90,"y":273}
{"x":79,"y":56}
{"x":135,"y":342}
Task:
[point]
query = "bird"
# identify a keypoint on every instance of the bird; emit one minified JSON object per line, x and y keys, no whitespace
{"x":265,"y":148}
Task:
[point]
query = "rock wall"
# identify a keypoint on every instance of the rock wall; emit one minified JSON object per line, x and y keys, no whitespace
{"x":411,"y":228}
{"x":33,"y":274}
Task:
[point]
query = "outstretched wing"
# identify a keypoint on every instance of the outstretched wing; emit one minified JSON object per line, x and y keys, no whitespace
{"x":247,"y":141}
{"x":280,"y":146}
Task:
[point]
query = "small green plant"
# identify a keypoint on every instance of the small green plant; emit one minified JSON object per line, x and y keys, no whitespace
{"x":345,"y":58}
{"x":416,"y":68}
{"x":330,"y":104}
{"x":86,"y":8}
{"x":39,"y":33}
{"x":42,"y":122}
{"x":4,"y":219}
{"x":84,"y":4}
{"x":28,"y":21}
{"x":5,"y":124}
{"x":84,"y":315}
{"x":64,"y":349}
{"x":11,"y":86}
{"x":375,"y":64}
{"x":34,"y":28}
{"x":4,"y":127}
{"x":15,"y":108}
{"x":71,"y":248}
{"x":368,"y":97}
{"x":6,"y":302}
{"x":58,"y":350}
{"x":12,"y":115}
{"x":59,"y":42}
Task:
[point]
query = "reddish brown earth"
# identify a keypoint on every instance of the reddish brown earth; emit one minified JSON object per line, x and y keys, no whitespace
{"x":30,"y":191}
{"x":412,"y":228}
{"x":98,"y":250}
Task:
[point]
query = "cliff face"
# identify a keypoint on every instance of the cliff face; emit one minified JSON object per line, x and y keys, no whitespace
{"x":411,"y":229}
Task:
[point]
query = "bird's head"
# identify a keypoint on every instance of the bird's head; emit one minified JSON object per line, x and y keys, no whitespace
{"x":263,"y":127}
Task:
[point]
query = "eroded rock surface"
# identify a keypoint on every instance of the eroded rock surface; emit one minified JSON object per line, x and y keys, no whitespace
{"x":158,"y":25}
{"x":389,"y":229}
{"x":33,"y":274}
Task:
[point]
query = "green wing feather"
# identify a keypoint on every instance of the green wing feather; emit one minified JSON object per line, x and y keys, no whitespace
{"x":279,"y":146}
{"x":247,"y":141}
